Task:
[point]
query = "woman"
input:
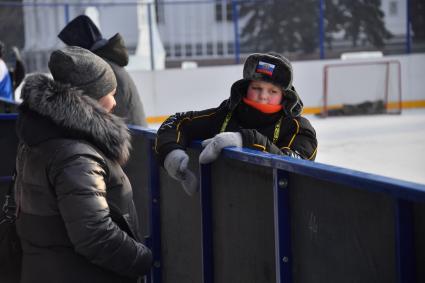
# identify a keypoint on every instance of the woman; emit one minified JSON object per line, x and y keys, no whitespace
{"x":76,"y":220}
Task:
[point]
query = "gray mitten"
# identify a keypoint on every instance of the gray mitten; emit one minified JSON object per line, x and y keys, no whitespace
{"x":213,"y":146}
{"x":176,"y":165}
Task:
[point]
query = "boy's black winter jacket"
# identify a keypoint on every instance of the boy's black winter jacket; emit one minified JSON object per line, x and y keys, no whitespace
{"x":275,"y":133}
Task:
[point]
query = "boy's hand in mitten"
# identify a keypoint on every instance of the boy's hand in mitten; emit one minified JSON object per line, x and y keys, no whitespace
{"x":176,"y":165}
{"x":213,"y":146}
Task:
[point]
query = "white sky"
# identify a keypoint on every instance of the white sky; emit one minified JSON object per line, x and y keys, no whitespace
{"x":388,"y":145}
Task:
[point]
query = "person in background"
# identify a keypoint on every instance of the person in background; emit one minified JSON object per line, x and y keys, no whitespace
{"x":76,"y":218}
{"x":82,"y":32}
{"x":6,"y":86}
{"x":18,"y":71}
{"x":263,"y":112}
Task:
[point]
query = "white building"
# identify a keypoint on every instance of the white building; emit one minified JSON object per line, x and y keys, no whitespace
{"x":188,"y":30}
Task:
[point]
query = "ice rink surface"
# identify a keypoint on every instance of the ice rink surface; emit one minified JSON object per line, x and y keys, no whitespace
{"x":388,"y":145}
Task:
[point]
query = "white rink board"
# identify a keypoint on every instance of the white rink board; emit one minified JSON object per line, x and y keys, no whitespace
{"x":173,"y":90}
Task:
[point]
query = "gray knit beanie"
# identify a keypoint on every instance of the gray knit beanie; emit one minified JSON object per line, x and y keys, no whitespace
{"x":81,"y":68}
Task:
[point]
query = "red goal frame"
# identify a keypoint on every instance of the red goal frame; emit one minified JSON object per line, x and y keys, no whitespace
{"x":386,"y":63}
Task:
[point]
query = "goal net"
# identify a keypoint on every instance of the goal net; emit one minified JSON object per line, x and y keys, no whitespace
{"x":361,"y":88}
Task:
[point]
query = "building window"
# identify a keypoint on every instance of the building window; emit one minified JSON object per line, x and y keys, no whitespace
{"x":393,"y":8}
{"x":220,"y":50}
{"x":188,"y":48}
{"x":210,"y":50}
{"x":230,"y":48}
{"x":223,"y":11}
{"x":167,"y":49}
{"x":199,"y":49}
{"x":177,"y":50}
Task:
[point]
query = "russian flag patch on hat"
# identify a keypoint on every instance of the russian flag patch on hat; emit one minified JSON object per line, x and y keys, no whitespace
{"x":265,"y":68}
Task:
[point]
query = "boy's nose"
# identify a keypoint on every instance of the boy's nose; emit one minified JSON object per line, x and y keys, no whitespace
{"x":263,"y":94}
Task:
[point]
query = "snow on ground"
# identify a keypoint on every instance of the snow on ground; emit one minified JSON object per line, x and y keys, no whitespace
{"x":388,"y":145}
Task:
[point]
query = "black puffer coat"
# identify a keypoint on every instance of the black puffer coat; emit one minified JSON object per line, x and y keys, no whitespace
{"x":276,"y":133}
{"x":77,"y":221}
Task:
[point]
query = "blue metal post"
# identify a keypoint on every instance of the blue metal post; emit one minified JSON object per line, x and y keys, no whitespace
{"x":151,"y":36}
{"x":207,"y":241}
{"x":282,"y":226}
{"x":66,"y":8}
{"x":236,"y":30}
{"x":154,"y":241}
{"x":408,"y":23}
{"x":405,"y":250}
{"x":321,"y":30}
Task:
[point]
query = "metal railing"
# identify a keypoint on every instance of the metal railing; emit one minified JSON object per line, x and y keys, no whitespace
{"x":273,"y":218}
{"x":212,"y":31}
{"x":295,"y":194}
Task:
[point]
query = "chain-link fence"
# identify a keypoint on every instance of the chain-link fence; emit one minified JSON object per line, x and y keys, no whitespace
{"x":222,"y":31}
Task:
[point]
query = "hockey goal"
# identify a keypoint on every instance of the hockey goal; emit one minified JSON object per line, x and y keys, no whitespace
{"x":361,"y":88}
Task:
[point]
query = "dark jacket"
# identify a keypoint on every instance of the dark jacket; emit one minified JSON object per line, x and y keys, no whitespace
{"x":83,"y":32}
{"x":77,"y":221}
{"x":275,"y":133}
{"x":129,"y":105}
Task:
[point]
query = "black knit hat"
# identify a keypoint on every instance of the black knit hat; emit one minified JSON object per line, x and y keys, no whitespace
{"x":81,"y":68}
{"x":82,"y":32}
{"x":269,"y":67}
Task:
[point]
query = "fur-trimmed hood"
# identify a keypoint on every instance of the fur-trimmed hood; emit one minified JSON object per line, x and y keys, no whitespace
{"x":291,"y":102}
{"x":114,"y":50}
{"x":78,"y":115}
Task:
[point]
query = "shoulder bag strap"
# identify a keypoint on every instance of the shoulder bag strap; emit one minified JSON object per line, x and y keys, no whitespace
{"x":9,"y":207}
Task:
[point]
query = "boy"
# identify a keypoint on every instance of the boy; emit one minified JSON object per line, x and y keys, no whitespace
{"x":262,"y":113}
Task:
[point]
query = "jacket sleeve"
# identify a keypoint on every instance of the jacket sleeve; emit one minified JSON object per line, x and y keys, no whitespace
{"x":181,"y":128}
{"x":79,"y":183}
{"x":299,"y":142}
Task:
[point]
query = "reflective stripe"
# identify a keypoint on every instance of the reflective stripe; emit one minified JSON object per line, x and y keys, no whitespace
{"x":226,"y":121}
{"x":189,"y":119}
{"x":296,"y":133}
{"x":276,"y":128}
{"x":263,"y":148}
{"x":313,"y":154}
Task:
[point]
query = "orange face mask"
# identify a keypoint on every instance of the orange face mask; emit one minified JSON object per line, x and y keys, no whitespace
{"x":265,"y":108}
